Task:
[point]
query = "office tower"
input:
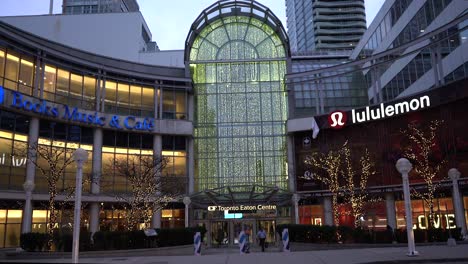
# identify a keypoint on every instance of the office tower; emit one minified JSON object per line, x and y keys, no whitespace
{"x":325,"y":24}
{"x":71,"y":7}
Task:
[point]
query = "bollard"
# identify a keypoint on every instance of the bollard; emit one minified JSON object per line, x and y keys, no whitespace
{"x":197,"y":243}
{"x":285,"y":239}
{"x":242,"y":242}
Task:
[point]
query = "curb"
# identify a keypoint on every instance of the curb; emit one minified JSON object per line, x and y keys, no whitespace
{"x":441,"y":260}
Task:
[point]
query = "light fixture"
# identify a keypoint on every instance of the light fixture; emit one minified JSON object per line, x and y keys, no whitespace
{"x":422,"y":30}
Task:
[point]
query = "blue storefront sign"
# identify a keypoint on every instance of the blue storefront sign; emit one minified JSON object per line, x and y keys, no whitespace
{"x":73,"y":114}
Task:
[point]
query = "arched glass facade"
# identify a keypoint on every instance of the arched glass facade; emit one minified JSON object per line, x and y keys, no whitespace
{"x":238,"y":64}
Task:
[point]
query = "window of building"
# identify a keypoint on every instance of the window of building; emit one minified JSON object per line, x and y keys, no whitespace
{"x":121,"y":146}
{"x":10,"y":227}
{"x":63,"y":139}
{"x":129,"y":99}
{"x":174,"y":104}
{"x":443,"y":209}
{"x":11,"y":71}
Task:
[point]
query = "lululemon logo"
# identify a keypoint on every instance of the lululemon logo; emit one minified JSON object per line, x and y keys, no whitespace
{"x":2,"y":94}
{"x":337,"y":119}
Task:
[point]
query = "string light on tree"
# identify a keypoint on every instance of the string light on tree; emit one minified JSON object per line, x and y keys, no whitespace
{"x":422,"y":142}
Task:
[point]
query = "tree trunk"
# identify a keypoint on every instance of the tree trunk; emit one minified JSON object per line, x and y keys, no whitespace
{"x":52,"y":216}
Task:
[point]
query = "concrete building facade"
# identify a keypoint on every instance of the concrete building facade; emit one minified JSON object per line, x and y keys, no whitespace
{"x":324,"y":24}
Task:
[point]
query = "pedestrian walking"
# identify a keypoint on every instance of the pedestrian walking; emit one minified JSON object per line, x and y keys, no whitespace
{"x":261,"y":235}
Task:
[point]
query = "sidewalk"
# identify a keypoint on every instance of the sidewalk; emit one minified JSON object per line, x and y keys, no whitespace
{"x":428,"y":254}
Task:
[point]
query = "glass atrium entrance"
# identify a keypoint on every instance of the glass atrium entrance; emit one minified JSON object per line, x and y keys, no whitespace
{"x":225,"y":212}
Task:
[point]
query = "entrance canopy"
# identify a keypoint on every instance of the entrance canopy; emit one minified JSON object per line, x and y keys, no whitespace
{"x":242,"y":194}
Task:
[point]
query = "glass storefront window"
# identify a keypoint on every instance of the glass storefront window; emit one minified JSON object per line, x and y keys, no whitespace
{"x":12,"y":228}
{"x":39,"y":221}
{"x":443,"y":209}
{"x":172,"y":218}
{"x":311,"y":214}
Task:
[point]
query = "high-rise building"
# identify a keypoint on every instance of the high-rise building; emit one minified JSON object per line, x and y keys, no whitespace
{"x":325,"y":24}
{"x":414,"y":68}
{"x":71,"y":7}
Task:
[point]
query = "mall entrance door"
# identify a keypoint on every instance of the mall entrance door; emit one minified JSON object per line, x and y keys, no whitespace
{"x":243,"y":225}
{"x":269,"y":226}
{"x":226,"y":232}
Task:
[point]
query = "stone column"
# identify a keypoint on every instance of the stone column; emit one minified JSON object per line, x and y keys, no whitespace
{"x":404,"y":167}
{"x":187,"y":202}
{"x":157,"y":152}
{"x":191,"y":165}
{"x":295,"y":200}
{"x":96,"y":179}
{"x":291,"y":169}
{"x":391,"y":214}
{"x":328,"y":211}
{"x":156,"y":219}
{"x":454,"y":175}
{"x":28,"y":185}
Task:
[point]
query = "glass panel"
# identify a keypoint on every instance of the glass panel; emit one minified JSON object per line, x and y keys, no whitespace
{"x":3,"y":214}
{"x":39,"y":221}
{"x":89,"y":92}
{"x":11,"y":71}
{"x":12,"y":235}
{"x":26,"y":76}
{"x":123,"y":94}
{"x":219,"y":233}
{"x":76,"y":85}
{"x":63,"y":82}
{"x":135,"y":96}
{"x":111,"y":92}
{"x":2,"y":235}
{"x":169,"y":108}
{"x":14,"y":216}
{"x":270,"y":229}
{"x":181,"y":105}
{"x":233,"y":102}
{"x":50,"y":75}
{"x":2,"y":65}
{"x":148,"y":97}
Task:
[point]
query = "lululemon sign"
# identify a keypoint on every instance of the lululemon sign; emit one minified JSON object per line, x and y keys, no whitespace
{"x":337,"y":119}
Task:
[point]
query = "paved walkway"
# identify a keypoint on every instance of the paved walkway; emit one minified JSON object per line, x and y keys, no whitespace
{"x":428,"y":254}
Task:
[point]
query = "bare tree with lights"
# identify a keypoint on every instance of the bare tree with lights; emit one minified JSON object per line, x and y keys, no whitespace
{"x":422,"y":143}
{"x":51,"y":159}
{"x":149,"y":192}
{"x":337,"y":171}
{"x":327,"y":168}
{"x":356,"y":194}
